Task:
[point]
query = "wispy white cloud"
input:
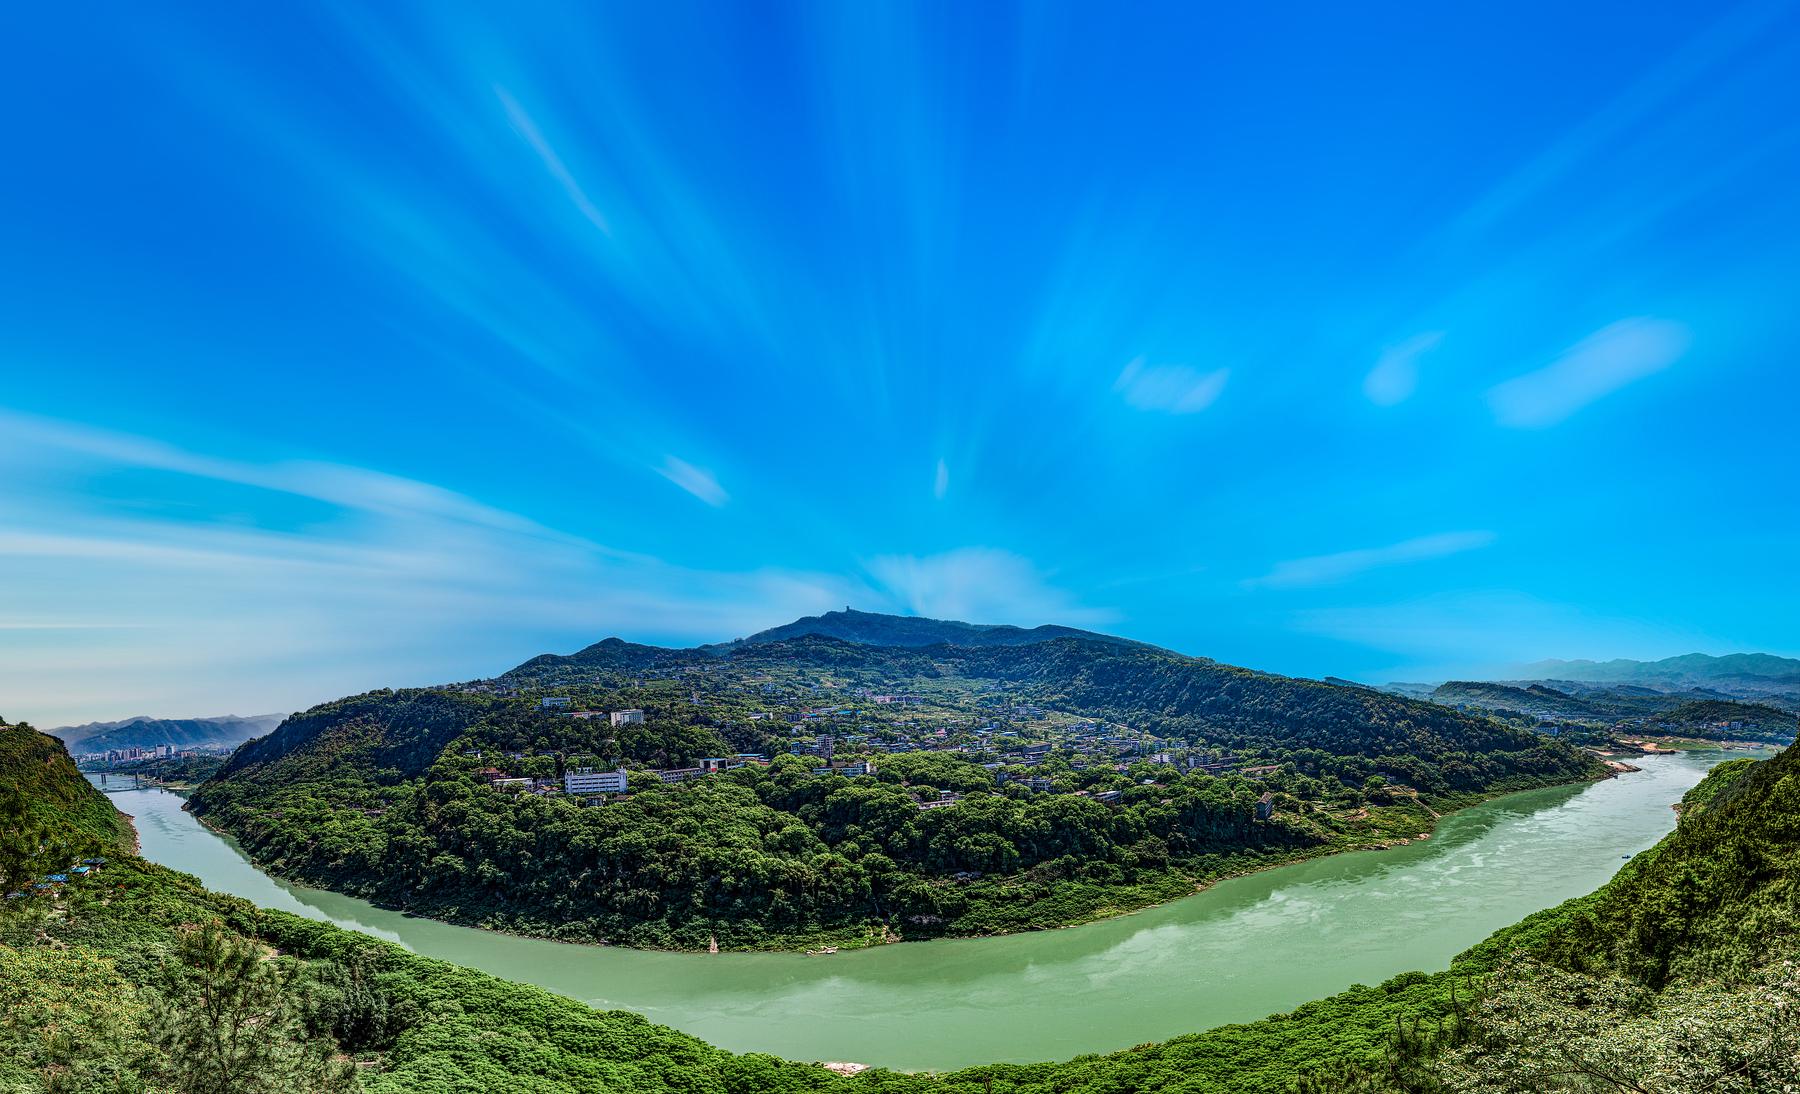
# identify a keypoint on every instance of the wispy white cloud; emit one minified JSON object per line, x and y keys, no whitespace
{"x":528,"y":129}
{"x":387,"y":581}
{"x":1598,"y":365}
{"x":1329,"y":569}
{"x":940,"y":485}
{"x":353,"y":488}
{"x":976,"y":584}
{"x":1396,"y":373}
{"x":695,"y":480}
{"x":1173,"y":389}
{"x":390,"y":582}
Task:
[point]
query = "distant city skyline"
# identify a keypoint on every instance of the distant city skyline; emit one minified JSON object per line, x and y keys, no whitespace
{"x":380,"y":345}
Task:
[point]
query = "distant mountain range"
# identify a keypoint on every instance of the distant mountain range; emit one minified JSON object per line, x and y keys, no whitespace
{"x":1685,"y":671}
{"x":1755,"y":688}
{"x":143,"y":731}
{"x":1696,"y":711}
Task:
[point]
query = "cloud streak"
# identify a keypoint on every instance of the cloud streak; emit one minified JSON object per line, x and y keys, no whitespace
{"x":1396,"y":374}
{"x":1597,"y":366}
{"x":1344,"y":565}
{"x":695,"y":480}
{"x":389,"y":581}
{"x":384,"y":581}
{"x":975,"y":584}
{"x":1171,"y":389}
{"x":528,"y":129}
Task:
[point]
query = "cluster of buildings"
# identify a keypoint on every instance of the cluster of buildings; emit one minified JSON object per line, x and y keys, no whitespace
{"x":993,"y":736}
{"x":49,"y":882}
{"x":587,"y":782}
{"x":139,"y":755}
{"x":631,"y":717}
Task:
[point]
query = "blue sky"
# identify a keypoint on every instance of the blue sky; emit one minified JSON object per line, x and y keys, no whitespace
{"x":374,"y":344}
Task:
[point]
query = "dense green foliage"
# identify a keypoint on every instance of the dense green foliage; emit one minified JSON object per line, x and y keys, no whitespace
{"x":381,"y":796}
{"x":1721,"y":777}
{"x":756,"y":857}
{"x":227,"y":1020}
{"x":1347,"y":733}
{"x":50,"y":817}
{"x":42,"y":781}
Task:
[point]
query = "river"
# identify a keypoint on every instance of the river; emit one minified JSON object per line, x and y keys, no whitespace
{"x":1240,"y":950}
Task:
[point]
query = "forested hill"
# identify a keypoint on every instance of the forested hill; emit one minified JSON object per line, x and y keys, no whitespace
{"x":1159,"y":692}
{"x":1197,"y":699}
{"x":1727,"y":712}
{"x":40,"y":788}
{"x":813,"y":789}
{"x":1535,"y":699}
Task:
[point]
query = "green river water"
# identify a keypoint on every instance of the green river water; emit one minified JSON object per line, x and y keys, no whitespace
{"x":1243,"y":949}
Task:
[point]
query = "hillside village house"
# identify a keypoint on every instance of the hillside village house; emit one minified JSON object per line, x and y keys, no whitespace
{"x":632,"y":717}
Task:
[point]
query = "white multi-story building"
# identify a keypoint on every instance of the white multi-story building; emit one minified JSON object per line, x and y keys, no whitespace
{"x":553,"y":702}
{"x":859,"y":768}
{"x":632,"y":717}
{"x":588,"y":781}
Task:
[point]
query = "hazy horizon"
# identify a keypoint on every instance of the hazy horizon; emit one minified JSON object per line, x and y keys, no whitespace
{"x":1497,"y":672}
{"x":354,"y":347}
